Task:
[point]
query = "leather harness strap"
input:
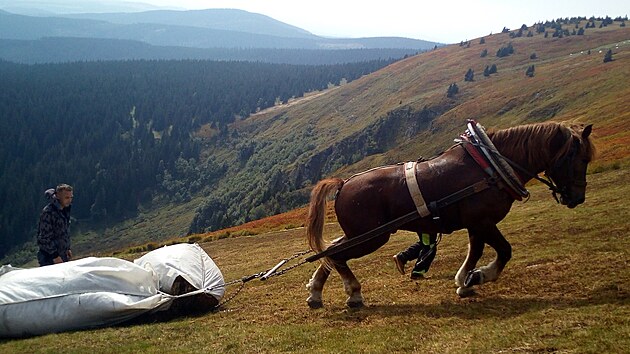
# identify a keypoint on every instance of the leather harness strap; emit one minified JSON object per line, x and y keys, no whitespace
{"x":414,"y":190}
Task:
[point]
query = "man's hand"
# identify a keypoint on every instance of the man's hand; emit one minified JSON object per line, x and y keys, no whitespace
{"x":57,"y":260}
{"x":69,"y":253}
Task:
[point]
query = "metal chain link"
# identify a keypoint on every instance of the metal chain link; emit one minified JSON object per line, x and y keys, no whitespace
{"x":246,"y":279}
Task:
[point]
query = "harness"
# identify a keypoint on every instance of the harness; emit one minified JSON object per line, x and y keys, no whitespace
{"x":414,"y":189}
{"x":477,"y":143}
{"x":489,"y":149}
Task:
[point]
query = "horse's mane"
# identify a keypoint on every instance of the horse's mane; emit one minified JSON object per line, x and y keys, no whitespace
{"x":535,"y":140}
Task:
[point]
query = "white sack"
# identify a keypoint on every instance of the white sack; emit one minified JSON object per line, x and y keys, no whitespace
{"x":85,"y":293}
{"x":95,"y":292}
{"x":189,"y":261}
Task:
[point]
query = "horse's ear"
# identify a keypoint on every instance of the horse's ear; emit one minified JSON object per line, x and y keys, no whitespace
{"x":587,"y":131}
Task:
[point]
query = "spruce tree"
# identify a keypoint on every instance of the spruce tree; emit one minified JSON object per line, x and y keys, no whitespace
{"x":609,"y":56}
{"x":530,"y":71}
{"x":452,"y":90}
{"x":470,"y":75}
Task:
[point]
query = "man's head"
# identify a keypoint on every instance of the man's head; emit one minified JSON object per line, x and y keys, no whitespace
{"x":64,"y":195}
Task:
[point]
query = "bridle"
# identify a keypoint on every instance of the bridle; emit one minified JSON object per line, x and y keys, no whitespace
{"x":566,"y":160}
{"x":555,"y":189}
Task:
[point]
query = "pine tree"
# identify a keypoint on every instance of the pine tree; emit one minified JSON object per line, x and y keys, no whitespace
{"x":609,"y":56}
{"x":452,"y":90}
{"x":470,"y":75}
{"x":530,"y":71}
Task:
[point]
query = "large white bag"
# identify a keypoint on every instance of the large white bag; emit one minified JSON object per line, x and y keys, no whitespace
{"x":95,"y":292}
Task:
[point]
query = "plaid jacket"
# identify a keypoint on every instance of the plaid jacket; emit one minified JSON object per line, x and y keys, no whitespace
{"x":53,"y":231}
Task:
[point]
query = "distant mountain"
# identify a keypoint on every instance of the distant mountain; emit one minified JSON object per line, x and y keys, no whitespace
{"x":53,"y":7}
{"x":219,"y":19}
{"x":22,"y":27}
{"x":71,"y":49}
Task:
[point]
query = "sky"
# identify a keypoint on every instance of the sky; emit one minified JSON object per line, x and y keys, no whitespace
{"x":444,"y":21}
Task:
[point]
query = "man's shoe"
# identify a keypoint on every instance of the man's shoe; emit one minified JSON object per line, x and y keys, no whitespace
{"x":400,"y":264}
{"x":417,"y":275}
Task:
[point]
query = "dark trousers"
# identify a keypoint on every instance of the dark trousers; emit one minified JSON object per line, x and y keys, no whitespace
{"x":422,"y":251}
{"x":45,"y":259}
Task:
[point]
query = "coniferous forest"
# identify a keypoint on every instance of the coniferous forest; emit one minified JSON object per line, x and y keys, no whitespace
{"x":123,"y":132}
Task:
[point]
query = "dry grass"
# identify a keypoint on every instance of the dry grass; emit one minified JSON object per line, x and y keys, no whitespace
{"x":567,"y":289}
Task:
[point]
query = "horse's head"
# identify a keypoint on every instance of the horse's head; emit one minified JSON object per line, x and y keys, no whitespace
{"x":569,"y":168}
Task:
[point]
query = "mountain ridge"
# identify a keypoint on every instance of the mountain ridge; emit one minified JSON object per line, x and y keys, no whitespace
{"x":23,"y":27}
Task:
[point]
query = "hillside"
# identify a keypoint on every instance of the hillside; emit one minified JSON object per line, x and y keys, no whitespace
{"x":395,"y":114}
{"x":195,"y":29}
{"x":221,"y":19}
{"x":401,"y":112}
{"x":566,"y":290}
{"x":72,"y":49}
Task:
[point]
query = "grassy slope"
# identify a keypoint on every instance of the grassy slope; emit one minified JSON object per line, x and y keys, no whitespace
{"x":567,"y":293}
{"x":577,"y":86}
{"x":568,"y":85}
{"x":567,"y":289}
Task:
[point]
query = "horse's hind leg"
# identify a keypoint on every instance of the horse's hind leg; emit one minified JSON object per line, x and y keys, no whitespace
{"x":350,"y":284}
{"x":315,"y":287}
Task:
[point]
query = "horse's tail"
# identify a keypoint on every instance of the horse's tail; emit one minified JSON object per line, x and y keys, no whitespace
{"x":317,"y":212}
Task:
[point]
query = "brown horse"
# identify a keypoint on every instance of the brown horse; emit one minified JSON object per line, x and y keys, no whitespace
{"x":371,"y":199}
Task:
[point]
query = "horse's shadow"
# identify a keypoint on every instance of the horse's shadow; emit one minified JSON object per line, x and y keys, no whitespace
{"x":478,"y":307}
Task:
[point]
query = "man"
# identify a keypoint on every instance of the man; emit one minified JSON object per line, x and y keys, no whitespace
{"x":424,"y":251}
{"x":53,"y":236}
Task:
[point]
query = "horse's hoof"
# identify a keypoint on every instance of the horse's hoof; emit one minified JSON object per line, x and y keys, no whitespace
{"x":315,"y":304}
{"x":465,"y":292}
{"x":474,"y":277}
{"x":355,"y":304}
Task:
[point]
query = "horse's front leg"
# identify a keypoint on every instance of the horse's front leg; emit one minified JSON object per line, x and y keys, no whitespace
{"x":315,"y":287}
{"x":491,"y":272}
{"x":475,"y":251}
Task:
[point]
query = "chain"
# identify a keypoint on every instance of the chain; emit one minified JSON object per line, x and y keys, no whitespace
{"x":282,"y":271}
{"x":245,"y":279}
